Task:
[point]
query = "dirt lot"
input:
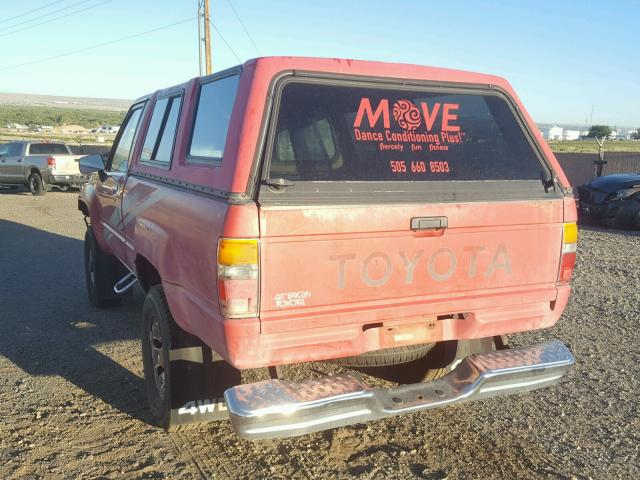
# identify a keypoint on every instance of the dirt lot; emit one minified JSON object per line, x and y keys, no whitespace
{"x":72,"y":402}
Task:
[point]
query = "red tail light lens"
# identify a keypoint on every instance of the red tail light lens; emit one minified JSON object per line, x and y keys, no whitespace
{"x":238,"y":274}
{"x":51,"y":161}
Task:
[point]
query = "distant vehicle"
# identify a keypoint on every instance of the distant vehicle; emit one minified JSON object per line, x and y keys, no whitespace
{"x":112,"y":129}
{"x":294,"y":209}
{"x":39,"y":165}
{"x":612,"y":200}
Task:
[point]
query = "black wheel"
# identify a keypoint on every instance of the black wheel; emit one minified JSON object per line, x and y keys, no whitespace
{"x":157,"y":324}
{"x":36,"y":184}
{"x":102,"y":271}
{"x":636,"y":221}
{"x":386,"y":356}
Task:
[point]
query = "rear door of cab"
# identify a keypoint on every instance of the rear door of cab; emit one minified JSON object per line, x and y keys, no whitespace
{"x":382,"y":201}
{"x":12,"y":163}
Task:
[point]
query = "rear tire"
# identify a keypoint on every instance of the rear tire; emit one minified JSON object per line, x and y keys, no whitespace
{"x":102,"y":271}
{"x":386,"y":356}
{"x":636,"y":221}
{"x":160,"y":333}
{"x":157,"y":324}
{"x":446,"y":355}
{"x":36,"y":184}
{"x":441,"y":358}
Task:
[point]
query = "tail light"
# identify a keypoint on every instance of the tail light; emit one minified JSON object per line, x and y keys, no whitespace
{"x":568,"y":258}
{"x":238,"y":274}
{"x":51,"y":161}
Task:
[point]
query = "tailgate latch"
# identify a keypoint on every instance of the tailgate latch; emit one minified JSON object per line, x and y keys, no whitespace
{"x":429,"y":223}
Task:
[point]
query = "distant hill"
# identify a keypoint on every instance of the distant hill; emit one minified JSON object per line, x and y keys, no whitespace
{"x":31,"y":100}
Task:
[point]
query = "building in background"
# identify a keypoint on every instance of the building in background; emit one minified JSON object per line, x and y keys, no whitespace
{"x":552,"y":133}
{"x":571,"y":134}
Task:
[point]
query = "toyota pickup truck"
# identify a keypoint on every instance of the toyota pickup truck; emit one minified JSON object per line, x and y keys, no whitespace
{"x":367,"y":214}
{"x":39,"y":165}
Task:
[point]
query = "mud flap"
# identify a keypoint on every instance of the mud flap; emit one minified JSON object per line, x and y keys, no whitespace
{"x":199,"y":378}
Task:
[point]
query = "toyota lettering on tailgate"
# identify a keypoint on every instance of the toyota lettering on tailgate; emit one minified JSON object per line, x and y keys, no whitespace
{"x":420,"y":263}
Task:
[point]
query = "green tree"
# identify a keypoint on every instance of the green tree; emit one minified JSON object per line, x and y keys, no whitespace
{"x":600,"y":131}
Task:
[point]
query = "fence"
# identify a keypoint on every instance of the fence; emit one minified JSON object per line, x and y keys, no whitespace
{"x":580,"y":167}
{"x":88,"y":149}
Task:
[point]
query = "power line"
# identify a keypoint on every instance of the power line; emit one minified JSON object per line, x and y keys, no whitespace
{"x":225,"y":42}
{"x":31,"y":11}
{"x":104,"y":44}
{"x":54,"y":19}
{"x":243,"y":27}
{"x":48,"y":14}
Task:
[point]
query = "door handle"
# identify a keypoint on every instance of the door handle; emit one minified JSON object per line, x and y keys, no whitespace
{"x":19,"y":160}
{"x":429,"y":223}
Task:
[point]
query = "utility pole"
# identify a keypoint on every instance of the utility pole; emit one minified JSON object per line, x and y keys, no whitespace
{"x":207,"y":39}
{"x":199,"y":37}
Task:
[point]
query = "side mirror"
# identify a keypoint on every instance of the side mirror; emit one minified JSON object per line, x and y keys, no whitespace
{"x":91,"y":164}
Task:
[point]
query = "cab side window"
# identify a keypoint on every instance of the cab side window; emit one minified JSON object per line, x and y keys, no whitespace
{"x":15,"y":149}
{"x":122,"y":151}
{"x":158,"y":144}
{"x":11,"y":150}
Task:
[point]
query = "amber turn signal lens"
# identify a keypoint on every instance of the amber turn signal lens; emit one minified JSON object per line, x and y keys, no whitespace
{"x":570,"y":233}
{"x":232,"y":251}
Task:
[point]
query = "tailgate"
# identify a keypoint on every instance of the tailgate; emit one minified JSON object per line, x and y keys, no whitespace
{"x":321,"y":262}
{"x":67,"y":164}
{"x":385,"y":202}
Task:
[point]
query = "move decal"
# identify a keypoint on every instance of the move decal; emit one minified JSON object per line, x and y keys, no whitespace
{"x":405,"y":126}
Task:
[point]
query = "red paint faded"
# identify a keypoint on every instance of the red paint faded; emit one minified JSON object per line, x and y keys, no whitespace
{"x":337,"y":280}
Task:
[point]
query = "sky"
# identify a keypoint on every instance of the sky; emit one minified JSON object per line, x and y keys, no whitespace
{"x":565,"y":59}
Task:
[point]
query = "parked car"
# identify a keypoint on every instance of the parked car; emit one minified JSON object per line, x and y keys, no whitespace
{"x":39,"y":165}
{"x":293,"y":210}
{"x":612,"y":200}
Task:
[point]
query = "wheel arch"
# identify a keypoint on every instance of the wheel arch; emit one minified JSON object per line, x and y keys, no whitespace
{"x":84,"y":208}
{"x":30,"y":171}
{"x":148,"y":275}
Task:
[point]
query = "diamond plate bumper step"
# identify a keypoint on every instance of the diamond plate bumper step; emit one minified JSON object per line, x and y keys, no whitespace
{"x":280,"y":408}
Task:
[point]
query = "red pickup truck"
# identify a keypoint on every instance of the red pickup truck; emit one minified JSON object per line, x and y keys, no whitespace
{"x":295,"y":209}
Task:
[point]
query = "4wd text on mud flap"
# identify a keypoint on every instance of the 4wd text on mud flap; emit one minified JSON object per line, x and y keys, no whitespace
{"x":203,"y":406}
{"x":499,"y":261}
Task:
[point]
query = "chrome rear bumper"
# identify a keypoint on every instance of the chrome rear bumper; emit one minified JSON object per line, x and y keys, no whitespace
{"x":279,"y":408}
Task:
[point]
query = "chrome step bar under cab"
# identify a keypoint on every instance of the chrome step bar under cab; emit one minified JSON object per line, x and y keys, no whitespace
{"x":125,"y":283}
{"x":280,"y":408}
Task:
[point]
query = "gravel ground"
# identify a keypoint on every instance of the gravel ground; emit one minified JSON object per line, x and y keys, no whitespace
{"x":72,"y":401}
